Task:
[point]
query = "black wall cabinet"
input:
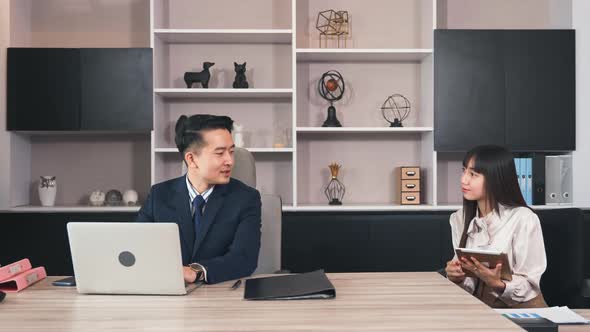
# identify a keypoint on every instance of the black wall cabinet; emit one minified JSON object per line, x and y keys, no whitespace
{"x":97,"y":89}
{"x":507,"y":87}
{"x":43,"y":88}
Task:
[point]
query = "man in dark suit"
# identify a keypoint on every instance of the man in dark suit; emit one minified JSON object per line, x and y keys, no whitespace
{"x":218,"y":216}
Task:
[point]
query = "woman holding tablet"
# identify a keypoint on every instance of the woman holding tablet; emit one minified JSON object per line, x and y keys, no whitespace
{"x":495,"y":217}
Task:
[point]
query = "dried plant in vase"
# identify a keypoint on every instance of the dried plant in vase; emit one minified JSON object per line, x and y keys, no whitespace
{"x":335,"y":189}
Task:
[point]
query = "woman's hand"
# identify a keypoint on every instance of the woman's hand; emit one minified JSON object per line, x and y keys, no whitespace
{"x":491,"y":277}
{"x":454,"y":271}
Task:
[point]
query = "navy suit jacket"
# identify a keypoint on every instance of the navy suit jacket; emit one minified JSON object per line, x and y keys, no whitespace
{"x":229,"y":240}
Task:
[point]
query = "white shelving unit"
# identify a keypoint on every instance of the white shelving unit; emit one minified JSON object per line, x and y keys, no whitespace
{"x":366,"y":130}
{"x":290,"y":100}
{"x":361,"y":55}
{"x":224,"y":93}
{"x":226,"y":36}
{"x":259,"y":34}
{"x":74,"y":208}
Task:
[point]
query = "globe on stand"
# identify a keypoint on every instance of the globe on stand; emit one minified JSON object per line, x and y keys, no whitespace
{"x":331,"y":87}
{"x":395,"y":109}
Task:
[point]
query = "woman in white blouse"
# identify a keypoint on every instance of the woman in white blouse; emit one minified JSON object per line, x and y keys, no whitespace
{"x":495,"y":217}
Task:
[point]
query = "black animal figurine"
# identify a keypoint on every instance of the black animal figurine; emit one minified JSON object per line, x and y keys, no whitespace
{"x":240,"y":81}
{"x":200,"y":77}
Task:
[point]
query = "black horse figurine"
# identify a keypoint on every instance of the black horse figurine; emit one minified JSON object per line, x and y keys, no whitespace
{"x":201,"y":77}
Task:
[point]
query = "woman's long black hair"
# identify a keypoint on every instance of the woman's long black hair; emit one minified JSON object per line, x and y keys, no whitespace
{"x":496,"y":164}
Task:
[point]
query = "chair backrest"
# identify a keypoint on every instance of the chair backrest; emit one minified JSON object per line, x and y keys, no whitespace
{"x":244,"y":167}
{"x":562,"y":233}
{"x":269,"y":258}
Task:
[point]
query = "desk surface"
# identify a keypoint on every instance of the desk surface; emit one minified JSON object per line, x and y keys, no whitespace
{"x":364,"y":301}
{"x":577,"y":328}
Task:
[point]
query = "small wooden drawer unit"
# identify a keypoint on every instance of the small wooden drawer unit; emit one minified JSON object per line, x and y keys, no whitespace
{"x":410,"y":185}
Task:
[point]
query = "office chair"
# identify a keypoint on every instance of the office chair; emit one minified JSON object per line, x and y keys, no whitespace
{"x":269,"y":258}
{"x":562,"y":282}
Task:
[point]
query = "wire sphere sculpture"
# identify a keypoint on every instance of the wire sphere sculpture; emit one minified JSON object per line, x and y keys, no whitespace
{"x":395,"y":109}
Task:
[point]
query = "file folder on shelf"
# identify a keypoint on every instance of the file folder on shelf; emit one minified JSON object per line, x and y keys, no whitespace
{"x":558,"y":182}
{"x":529,"y":181}
{"x":520,"y":174}
{"x":538,"y":165}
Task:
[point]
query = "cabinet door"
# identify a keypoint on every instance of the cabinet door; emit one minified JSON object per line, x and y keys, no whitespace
{"x":117,"y":89}
{"x":540,"y":89}
{"x":43,"y":89}
{"x":468,"y":89}
{"x":335,"y":242}
{"x":405,"y":242}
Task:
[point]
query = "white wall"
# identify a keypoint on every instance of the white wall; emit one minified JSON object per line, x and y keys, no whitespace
{"x":4,"y":136}
{"x":581,"y":157}
{"x":504,"y":14}
{"x":75,"y":23}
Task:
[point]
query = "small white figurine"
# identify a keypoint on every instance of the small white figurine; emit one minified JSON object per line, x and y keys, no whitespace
{"x":97,"y":198}
{"x":130,"y":197}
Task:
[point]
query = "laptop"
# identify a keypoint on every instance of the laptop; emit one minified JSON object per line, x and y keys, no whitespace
{"x":127,"y":258}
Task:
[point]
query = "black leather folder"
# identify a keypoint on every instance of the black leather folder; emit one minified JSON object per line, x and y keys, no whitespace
{"x":312,"y":285}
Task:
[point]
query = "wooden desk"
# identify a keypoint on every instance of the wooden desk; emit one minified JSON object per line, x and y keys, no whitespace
{"x":577,"y":328}
{"x":364,"y":302}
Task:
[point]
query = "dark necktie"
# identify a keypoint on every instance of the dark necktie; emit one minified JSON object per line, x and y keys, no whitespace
{"x":198,"y":204}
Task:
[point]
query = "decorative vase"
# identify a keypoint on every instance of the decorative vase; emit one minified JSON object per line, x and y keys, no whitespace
{"x":47,"y":190}
{"x":335,"y":189}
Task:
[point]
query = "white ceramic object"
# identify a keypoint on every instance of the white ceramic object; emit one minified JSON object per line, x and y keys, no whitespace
{"x":97,"y":198}
{"x":130,"y":197}
{"x":238,"y":135}
{"x":47,"y":190}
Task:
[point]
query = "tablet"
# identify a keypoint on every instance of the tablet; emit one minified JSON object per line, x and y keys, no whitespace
{"x":488,"y":258}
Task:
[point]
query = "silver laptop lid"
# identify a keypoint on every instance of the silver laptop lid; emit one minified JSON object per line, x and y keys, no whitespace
{"x":126,"y":258}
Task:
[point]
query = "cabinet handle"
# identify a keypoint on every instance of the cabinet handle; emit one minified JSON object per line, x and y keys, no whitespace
{"x":411,"y":198}
{"x":410,"y":173}
{"x":410,"y":185}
